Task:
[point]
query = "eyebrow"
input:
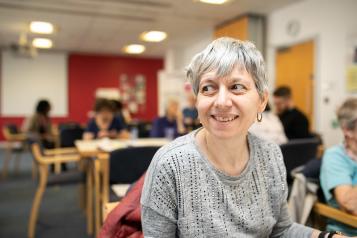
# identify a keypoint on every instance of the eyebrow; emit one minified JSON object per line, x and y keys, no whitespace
{"x":214,"y":79}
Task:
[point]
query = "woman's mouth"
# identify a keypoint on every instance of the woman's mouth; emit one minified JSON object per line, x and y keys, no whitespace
{"x":224,"y":118}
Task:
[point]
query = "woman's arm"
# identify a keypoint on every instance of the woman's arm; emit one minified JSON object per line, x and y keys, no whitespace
{"x":159,"y":209}
{"x":346,"y":197}
{"x":156,"y":225}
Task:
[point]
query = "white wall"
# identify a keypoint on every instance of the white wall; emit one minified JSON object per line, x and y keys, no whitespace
{"x":172,"y":78}
{"x":330,"y":24}
{"x":181,"y":53}
{"x":25,"y":80}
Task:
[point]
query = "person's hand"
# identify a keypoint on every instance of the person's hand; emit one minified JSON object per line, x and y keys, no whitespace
{"x":341,"y":236}
{"x":188,"y":121}
{"x":103,"y":133}
{"x":88,"y":136}
{"x":112,"y":134}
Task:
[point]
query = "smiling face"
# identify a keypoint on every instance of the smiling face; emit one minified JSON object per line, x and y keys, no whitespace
{"x":228,"y":106}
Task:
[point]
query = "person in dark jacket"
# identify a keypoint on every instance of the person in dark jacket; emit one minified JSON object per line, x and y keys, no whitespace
{"x":296,"y":124}
{"x":104,"y":123}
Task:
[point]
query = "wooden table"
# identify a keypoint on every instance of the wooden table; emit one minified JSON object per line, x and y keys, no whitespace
{"x":91,"y":149}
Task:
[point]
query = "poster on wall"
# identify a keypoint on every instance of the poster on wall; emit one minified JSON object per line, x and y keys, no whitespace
{"x":351,"y":69}
{"x":108,"y":93}
{"x":133,"y":92}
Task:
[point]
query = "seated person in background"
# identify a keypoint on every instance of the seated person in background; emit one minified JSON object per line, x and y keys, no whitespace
{"x":104,"y":123}
{"x":190,"y":114}
{"x":269,"y":127}
{"x":121,"y":112}
{"x":39,"y":127}
{"x":296,"y":124}
{"x":338,"y":176}
{"x":170,"y":125}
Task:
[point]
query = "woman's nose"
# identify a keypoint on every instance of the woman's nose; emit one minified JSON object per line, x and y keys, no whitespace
{"x":223,"y":98}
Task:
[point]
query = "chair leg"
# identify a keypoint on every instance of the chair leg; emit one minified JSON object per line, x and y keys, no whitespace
{"x":57,"y":168}
{"x":97,"y":193}
{"x":89,"y":199}
{"x":43,"y":171}
{"x":17,"y":162}
{"x":82,"y":196}
{"x":8,"y":155}
{"x":34,"y":170}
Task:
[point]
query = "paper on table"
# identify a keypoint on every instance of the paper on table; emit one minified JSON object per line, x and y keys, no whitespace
{"x":108,"y":145}
{"x":120,"y":189}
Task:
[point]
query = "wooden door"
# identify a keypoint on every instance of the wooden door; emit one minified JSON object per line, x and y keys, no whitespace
{"x":295,"y":68}
{"x":236,"y":29}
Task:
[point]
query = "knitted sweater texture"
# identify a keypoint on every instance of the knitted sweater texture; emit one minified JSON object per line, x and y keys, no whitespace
{"x":184,"y":195}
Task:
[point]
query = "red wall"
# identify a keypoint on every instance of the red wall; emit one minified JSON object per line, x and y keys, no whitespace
{"x":87,"y":72}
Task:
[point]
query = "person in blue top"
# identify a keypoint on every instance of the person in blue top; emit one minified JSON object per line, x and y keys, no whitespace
{"x":190,"y":114}
{"x":171,"y":125}
{"x":338,"y":176}
{"x":104,"y":123}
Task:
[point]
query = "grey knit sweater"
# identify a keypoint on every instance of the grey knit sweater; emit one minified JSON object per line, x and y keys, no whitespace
{"x":185,"y":196}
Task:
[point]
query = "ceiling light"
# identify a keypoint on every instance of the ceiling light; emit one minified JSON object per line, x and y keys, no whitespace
{"x":41,"y":27}
{"x":43,"y":43}
{"x":153,"y":36}
{"x":134,"y":49}
{"x":214,"y":1}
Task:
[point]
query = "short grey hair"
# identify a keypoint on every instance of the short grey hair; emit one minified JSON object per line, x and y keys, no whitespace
{"x":223,"y":54}
{"x":347,"y":114}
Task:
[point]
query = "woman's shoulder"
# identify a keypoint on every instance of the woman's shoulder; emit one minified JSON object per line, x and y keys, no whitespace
{"x":168,"y":160}
{"x":337,"y":155}
{"x":336,"y":150}
{"x":267,"y":153}
{"x":175,"y":149}
{"x":261,"y":144}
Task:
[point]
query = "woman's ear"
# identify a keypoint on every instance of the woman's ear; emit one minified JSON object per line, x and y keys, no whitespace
{"x":263,"y":101}
{"x":188,"y":87}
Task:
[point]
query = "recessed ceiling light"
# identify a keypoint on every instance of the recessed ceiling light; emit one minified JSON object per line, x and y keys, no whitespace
{"x":217,"y":2}
{"x":41,"y":27}
{"x":43,"y":43}
{"x":153,"y":36}
{"x":134,"y":49}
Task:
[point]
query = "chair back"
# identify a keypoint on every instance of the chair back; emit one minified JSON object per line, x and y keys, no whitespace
{"x":9,"y":130}
{"x":298,"y":152}
{"x":69,"y":133}
{"x":128,"y":164}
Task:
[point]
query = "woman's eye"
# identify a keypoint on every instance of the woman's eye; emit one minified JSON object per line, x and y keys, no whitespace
{"x":207,"y":88}
{"x":238,"y":87}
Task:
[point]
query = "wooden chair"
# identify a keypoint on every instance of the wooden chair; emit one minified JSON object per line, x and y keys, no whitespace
{"x":123,"y":166}
{"x":15,"y":145}
{"x":43,"y":162}
{"x":327,"y":211}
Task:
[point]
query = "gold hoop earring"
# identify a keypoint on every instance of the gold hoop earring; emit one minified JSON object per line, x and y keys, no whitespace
{"x":259,"y":116}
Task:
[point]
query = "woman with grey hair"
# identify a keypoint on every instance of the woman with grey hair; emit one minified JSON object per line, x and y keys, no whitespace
{"x":220,"y":180}
{"x":338,"y":175}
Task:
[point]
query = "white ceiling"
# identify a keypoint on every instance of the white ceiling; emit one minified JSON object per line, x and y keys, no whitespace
{"x":105,"y":26}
